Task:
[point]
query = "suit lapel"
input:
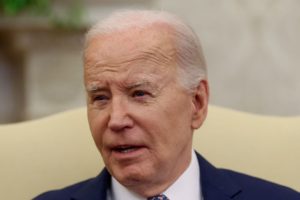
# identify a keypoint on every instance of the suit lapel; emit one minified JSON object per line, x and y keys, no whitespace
{"x":216,"y":185}
{"x":96,"y":189}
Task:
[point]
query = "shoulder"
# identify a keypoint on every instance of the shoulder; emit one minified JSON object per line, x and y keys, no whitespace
{"x":63,"y":193}
{"x":234,"y":184}
{"x":256,"y":188}
{"x":89,"y":189}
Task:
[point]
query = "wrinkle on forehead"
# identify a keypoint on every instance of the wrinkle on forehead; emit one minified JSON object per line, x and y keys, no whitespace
{"x":158,"y":56}
{"x":136,"y":63}
{"x":155,"y":55}
{"x":153,"y":43}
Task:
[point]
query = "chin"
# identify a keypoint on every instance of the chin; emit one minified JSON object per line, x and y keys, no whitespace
{"x":130,"y":176}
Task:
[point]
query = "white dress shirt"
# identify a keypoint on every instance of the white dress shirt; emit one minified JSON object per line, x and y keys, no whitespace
{"x":187,"y":185}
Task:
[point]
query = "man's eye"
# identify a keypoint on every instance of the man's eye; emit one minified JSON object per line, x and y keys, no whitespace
{"x":100,"y":98}
{"x":139,"y":93}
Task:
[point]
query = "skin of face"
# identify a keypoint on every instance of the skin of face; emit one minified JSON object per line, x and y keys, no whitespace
{"x":141,"y":118}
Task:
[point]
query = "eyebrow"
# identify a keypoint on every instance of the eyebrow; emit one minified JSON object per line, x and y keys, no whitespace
{"x":129,"y":86}
{"x":141,"y":84}
{"x":138,"y":84}
{"x":94,"y":88}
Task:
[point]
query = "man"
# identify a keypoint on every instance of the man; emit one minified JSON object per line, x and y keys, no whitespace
{"x":147,"y":91}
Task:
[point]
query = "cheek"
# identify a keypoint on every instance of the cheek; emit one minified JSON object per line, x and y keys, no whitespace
{"x":178,"y":114}
{"x":96,"y":123}
{"x":159,"y":126}
{"x":178,"y":119}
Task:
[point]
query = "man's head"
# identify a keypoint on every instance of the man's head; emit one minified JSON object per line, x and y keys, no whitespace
{"x":147,"y":91}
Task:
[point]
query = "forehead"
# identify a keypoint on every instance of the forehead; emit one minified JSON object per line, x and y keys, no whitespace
{"x":147,"y":51}
{"x":152,"y":42}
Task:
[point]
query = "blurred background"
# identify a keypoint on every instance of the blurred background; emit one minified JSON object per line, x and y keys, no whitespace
{"x":252,"y":49}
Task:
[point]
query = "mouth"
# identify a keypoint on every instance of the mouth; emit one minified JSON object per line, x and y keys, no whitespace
{"x":125,"y":148}
{"x":128,"y":152}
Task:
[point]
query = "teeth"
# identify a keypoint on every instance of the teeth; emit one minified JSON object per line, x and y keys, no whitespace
{"x":125,"y":149}
{"x":128,"y":150}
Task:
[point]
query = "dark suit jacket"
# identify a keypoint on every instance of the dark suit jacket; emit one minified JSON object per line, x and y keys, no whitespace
{"x":217,"y":184}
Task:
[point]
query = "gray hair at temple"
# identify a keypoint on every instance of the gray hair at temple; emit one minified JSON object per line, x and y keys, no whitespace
{"x":190,"y":59}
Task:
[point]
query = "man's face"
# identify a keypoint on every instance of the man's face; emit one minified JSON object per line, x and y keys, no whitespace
{"x":140,"y":117}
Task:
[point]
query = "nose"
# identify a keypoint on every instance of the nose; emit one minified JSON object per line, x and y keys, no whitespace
{"x":119,"y":118}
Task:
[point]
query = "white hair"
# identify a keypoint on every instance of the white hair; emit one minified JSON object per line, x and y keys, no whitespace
{"x":191,"y":61}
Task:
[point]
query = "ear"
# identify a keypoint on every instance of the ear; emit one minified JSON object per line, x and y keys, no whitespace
{"x":200,"y":104}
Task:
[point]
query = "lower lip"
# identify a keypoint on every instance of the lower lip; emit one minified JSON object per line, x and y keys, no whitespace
{"x":129,"y":154}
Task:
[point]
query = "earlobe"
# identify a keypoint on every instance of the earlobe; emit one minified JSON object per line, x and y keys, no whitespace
{"x":200,"y":104}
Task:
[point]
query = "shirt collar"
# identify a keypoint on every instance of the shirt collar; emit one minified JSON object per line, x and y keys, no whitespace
{"x":187,"y":184}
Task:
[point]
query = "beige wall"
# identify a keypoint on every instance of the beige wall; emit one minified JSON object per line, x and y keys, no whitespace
{"x":252,"y":50}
